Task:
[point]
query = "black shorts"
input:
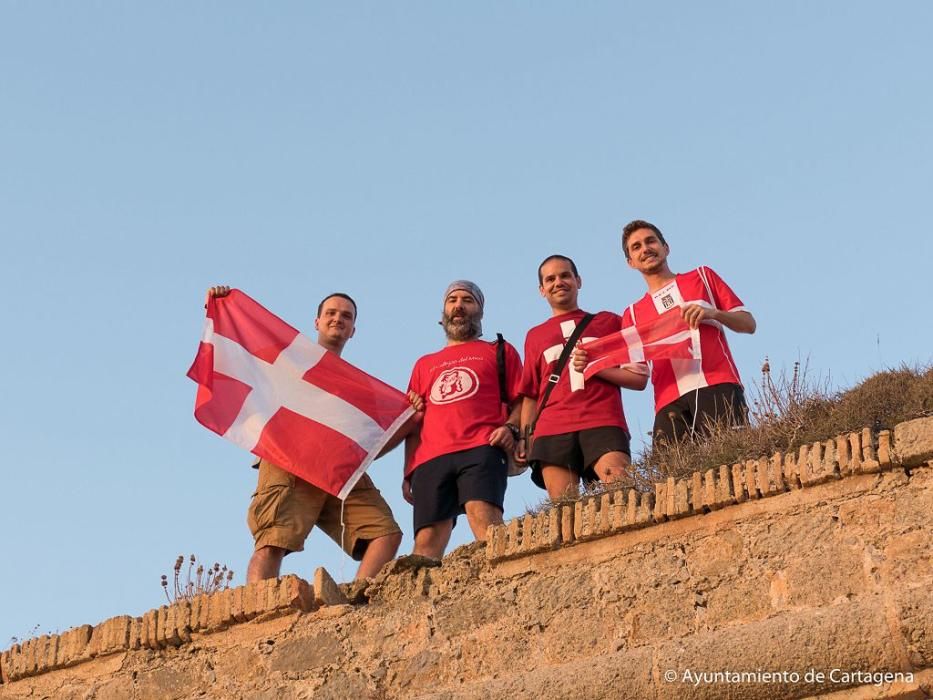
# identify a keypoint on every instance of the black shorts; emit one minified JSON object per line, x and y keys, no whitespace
{"x":578,"y":451}
{"x":694,"y":412}
{"x":442,"y":485}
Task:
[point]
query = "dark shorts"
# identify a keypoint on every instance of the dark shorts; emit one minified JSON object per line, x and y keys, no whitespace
{"x":442,"y":485}
{"x":578,"y":451}
{"x":696,"y":411}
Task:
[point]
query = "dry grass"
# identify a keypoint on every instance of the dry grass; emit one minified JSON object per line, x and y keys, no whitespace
{"x":790,"y":410}
{"x":205,"y":580}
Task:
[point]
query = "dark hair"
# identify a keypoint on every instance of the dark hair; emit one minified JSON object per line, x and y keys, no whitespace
{"x":634,"y":226}
{"x":342,"y":295}
{"x":549,"y":258}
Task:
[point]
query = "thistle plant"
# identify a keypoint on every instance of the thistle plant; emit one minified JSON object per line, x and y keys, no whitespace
{"x":198,"y":579}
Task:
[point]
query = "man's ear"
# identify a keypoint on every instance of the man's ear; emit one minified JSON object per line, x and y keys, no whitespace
{"x":541,"y":292}
{"x":352,"y":333}
{"x":579,"y":282}
{"x":316,"y":326}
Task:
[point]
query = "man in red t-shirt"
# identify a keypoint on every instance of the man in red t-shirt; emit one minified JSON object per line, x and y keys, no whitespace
{"x":581,"y":431}
{"x":689,"y":394}
{"x":457,"y":462}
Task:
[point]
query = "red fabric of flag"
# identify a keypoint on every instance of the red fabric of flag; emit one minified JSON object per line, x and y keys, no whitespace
{"x":666,"y":337}
{"x":275,"y":392}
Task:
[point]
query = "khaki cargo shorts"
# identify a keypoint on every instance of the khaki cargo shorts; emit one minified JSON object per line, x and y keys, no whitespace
{"x":285,"y":508}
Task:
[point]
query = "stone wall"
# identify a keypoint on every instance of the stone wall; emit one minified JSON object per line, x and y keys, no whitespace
{"x":811,"y":574}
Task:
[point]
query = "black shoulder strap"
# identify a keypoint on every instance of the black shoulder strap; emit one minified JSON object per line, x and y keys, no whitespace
{"x":500,"y":366}
{"x":561,"y":363}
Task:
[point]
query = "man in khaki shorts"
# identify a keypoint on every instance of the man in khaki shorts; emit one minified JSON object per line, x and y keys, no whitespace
{"x":285,"y":507}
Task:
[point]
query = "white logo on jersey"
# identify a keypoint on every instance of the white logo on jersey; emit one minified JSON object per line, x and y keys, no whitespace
{"x":454,"y":384}
{"x":667,"y":297}
{"x":553,"y":353}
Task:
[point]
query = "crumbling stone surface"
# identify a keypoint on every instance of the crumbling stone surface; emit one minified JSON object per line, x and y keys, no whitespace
{"x":800,"y":576}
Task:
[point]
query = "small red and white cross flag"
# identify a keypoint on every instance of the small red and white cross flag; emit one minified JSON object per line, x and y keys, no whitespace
{"x":668,"y":337}
{"x":273,"y":391}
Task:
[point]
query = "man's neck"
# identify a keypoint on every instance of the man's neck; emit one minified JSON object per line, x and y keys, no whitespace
{"x":451,"y":341}
{"x":336,"y":349}
{"x":656,"y":280}
{"x":557,"y":311}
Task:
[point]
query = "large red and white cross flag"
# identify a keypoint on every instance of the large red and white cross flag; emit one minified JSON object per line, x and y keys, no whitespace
{"x":275,"y":392}
{"x":667,"y":337}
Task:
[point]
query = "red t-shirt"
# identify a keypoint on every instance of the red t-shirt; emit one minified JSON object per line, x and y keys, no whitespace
{"x":460,"y":386}
{"x":674,"y":378}
{"x":573,"y":405}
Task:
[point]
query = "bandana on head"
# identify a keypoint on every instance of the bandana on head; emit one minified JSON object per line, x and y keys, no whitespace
{"x":466,"y":286}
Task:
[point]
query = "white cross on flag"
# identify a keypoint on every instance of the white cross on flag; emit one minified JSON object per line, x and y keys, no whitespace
{"x":283,"y":397}
{"x":668,"y":337}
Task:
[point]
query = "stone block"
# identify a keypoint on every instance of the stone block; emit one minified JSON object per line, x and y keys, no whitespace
{"x":51,"y":653}
{"x":295,"y":593}
{"x":790,"y":471}
{"x":843,"y":452}
{"x":605,"y":514}
{"x":855,"y":453}
{"x":75,"y":644}
{"x":776,"y":473}
{"x":670,"y":496}
{"x":709,"y":498}
{"x":13,"y":662}
{"x":553,"y":527}
{"x":869,"y":457}
{"x":681,"y":499}
{"x":645,"y":515}
{"x":135,"y":632}
{"x":586,"y":512}
{"x":725,"y":495}
{"x":167,"y":634}
{"x":513,"y":537}
{"x":237,"y":607}
{"x":494,"y":542}
{"x":739,"y":489}
{"x":566,"y":524}
{"x":697,"y":493}
{"x":111,"y":636}
{"x":326,"y":591}
{"x":630,"y":515}
{"x":885,"y":452}
{"x":5,"y":666}
{"x":751,"y":478}
{"x":528,"y":533}
{"x":913,"y":441}
{"x":182,"y":610}
{"x":219,"y":610}
{"x":30,"y":663}
{"x":821,"y":463}
{"x":150,"y":630}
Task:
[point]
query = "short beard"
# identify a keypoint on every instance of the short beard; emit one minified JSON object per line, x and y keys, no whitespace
{"x":462,"y":328}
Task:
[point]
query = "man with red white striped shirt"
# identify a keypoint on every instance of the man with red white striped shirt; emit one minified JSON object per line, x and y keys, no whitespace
{"x":689,"y":394}
{"x":285,"y":508}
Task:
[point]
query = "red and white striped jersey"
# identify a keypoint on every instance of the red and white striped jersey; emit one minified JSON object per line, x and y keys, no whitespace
{"x":674,"y":378}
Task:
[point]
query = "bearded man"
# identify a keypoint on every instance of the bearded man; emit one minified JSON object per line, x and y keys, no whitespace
{"x":457,"y":462}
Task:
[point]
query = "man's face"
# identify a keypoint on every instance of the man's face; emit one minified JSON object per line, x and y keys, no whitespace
{"x":646,"y":253}
{"x":462,"y":315}
{"x":559,"y":286}
{"x":335,"y":326}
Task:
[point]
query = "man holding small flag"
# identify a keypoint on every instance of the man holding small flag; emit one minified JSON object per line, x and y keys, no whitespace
{"x":678,"y":326}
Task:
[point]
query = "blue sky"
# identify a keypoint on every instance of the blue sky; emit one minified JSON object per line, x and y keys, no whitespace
{"x":295,"y":149}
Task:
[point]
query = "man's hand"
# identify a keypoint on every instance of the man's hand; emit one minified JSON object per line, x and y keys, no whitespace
{"x":502,"y":437}
{"x":406,"y":491}
{"x":416,"y":401}
{"x":694,"y":313}
{"x":579,"y":359}
{"x":219,"y":291}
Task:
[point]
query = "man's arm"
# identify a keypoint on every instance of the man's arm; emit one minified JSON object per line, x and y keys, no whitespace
{"x":410,"y":426}
{"x":738,"y":321}
{"x":627,"y":376}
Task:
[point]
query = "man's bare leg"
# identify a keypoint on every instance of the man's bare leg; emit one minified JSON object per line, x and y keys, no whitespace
{"x":481,"y":515}
{"x":614,"y":466}
{"x":559,"y":481}
{"x":431,"y":540}
{"x":266,"y":562}
{"x":378,"y":552}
